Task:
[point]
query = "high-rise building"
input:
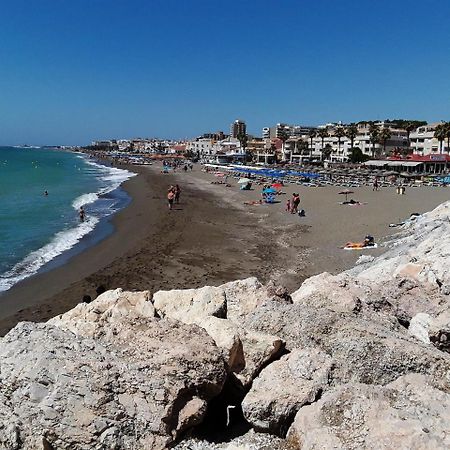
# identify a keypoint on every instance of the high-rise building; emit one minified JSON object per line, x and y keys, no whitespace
{"x":237,"y":128}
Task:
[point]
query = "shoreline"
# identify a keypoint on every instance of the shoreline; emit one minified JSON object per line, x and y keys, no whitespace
{"x":211,"y":238}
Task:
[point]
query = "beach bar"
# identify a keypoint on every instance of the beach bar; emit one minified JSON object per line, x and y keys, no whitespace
{"x":429,"y":164}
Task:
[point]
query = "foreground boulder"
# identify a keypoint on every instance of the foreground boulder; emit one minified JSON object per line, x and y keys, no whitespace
{"x":284,"y":387}
{"x":408,"y":413}
{"x":139,"y":384}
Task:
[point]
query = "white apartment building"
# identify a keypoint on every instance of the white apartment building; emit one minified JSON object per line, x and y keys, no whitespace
{"x":213,"y":151}
{"x":341,"y":148}
{"x":423,"y":141}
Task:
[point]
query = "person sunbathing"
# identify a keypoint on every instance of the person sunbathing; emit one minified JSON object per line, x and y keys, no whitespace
{"x":368,"y":242}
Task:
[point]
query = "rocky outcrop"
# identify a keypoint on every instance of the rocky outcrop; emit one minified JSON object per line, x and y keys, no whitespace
{"x":284,"y":387}
{"x":407,"y":413}
{"x":360,"y":360}
{"x":139,"y":383}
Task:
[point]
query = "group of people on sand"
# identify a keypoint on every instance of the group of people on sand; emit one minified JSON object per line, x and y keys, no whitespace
{"x":293,"y":203}
{"x":173,"y":195}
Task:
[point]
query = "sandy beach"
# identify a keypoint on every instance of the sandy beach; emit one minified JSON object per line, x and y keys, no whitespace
{"x":212,"y":237}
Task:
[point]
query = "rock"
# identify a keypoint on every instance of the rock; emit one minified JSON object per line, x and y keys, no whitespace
{"x":328,"y":291}
{"x":191,"y":305}
{"x":108,"y":309}
{"x":249,"y":441}
{"x":259,"y":350}
{"x":283,"y":387}
{"x":408,"y":413}
{"x":368,"y":351}
{"x":138,"y":384}
{"x":419,"y":326}
{"x":227,"y":336}
{"x":243,"y":297}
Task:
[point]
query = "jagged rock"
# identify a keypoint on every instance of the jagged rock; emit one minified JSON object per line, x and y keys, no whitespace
{"x":191,"y":305}
{"x":243,"y":297}
{"x":109,"y":308}
{"x":259,"y":350}
{"x":365,"y":351}
{"x":284,"y":387}
{"x":408,"y":413}
{"x":329,"y":291}
{"x":249,"y":441}
{"x":419,"y":326}
{"x":137,"y":385}
{"x":226,"y":335}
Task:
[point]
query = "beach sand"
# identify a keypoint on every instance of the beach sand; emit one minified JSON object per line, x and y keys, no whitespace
{"x":212,"y":238}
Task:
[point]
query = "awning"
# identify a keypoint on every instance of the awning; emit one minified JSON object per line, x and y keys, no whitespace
{"x":411,"y":163}
{"x":376,"y":163}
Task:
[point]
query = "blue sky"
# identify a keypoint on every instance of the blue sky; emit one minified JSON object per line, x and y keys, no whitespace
{"x":73,"y":71}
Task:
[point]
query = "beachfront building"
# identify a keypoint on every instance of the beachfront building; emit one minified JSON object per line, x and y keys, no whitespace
{"x":413,"y":164}
{"x":238,"y":128}
{"x":278,"y":130}
{"x":423,"y":141}
{"x":209,"y":150}
{"x":340,"y":145}
{"x":270,"y":152}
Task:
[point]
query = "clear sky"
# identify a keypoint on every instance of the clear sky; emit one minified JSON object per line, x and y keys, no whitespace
{"x":73,"y":71}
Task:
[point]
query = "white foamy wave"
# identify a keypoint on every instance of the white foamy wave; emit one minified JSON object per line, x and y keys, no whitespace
{"x":112,"y":176}
{"x":84,"y":199}
{"x":61,"y":242}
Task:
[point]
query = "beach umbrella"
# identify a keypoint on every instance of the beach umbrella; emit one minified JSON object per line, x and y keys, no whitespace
{"x":269,"y":191}
{"x":346,"y":192}
{"x":244,"y":180}
{"x":277,"y":185}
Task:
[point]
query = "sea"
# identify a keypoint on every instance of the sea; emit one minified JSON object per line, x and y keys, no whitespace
{"x":38,"y":231}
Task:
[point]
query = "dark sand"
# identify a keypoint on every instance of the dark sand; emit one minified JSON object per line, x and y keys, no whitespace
{"x":212,"y":238}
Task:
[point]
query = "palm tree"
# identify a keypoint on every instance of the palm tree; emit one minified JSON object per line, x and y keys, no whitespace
{"x":322,"y":133}
{"x":410,"y":126}
{"x":339,"y":132}
{"x":311,"y":134}
{"x":384,"y":136}
{"x":351,"y":132}
{"x":283,"y":135}
{"x":440,"y":134}
{"x":374,"y":134}
{"x":243,"y":139}
{"x":326,"y":152}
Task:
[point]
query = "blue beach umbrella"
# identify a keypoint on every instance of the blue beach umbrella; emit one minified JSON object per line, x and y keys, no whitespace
{"x":269,"y":191}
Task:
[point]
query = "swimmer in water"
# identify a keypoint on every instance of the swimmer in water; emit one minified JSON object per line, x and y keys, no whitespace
{"x":45,"y":193}
{"x":82,"y":214}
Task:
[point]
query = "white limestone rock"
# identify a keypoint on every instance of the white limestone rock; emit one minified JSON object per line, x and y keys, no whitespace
{"x":283,"y":387}
{"x":191,"y":305}
{"x":419,"y":327}
{"x":408,"y":413}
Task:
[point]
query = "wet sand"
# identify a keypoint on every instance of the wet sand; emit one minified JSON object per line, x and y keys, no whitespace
{"x":212,"y":238}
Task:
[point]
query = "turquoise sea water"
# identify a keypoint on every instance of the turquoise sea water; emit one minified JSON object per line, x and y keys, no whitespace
{"x":36,"y":228}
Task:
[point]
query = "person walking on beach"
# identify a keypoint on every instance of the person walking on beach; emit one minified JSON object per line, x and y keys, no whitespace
{"x":375,"y":184}
{"x":295,"y":203}
{"x":82,"y":214}
{"x":177,"y":193}
{"x":288,"y":205}
{"x":170,"y":198}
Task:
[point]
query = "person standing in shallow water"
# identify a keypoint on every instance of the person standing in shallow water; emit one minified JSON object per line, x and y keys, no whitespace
{"x":177,"y":193}
{"x":82,"y":214}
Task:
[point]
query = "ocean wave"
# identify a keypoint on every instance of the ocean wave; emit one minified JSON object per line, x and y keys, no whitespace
{"x":112,"y":178}
{"x":62,"y":241}
{"x":84,"y":199}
